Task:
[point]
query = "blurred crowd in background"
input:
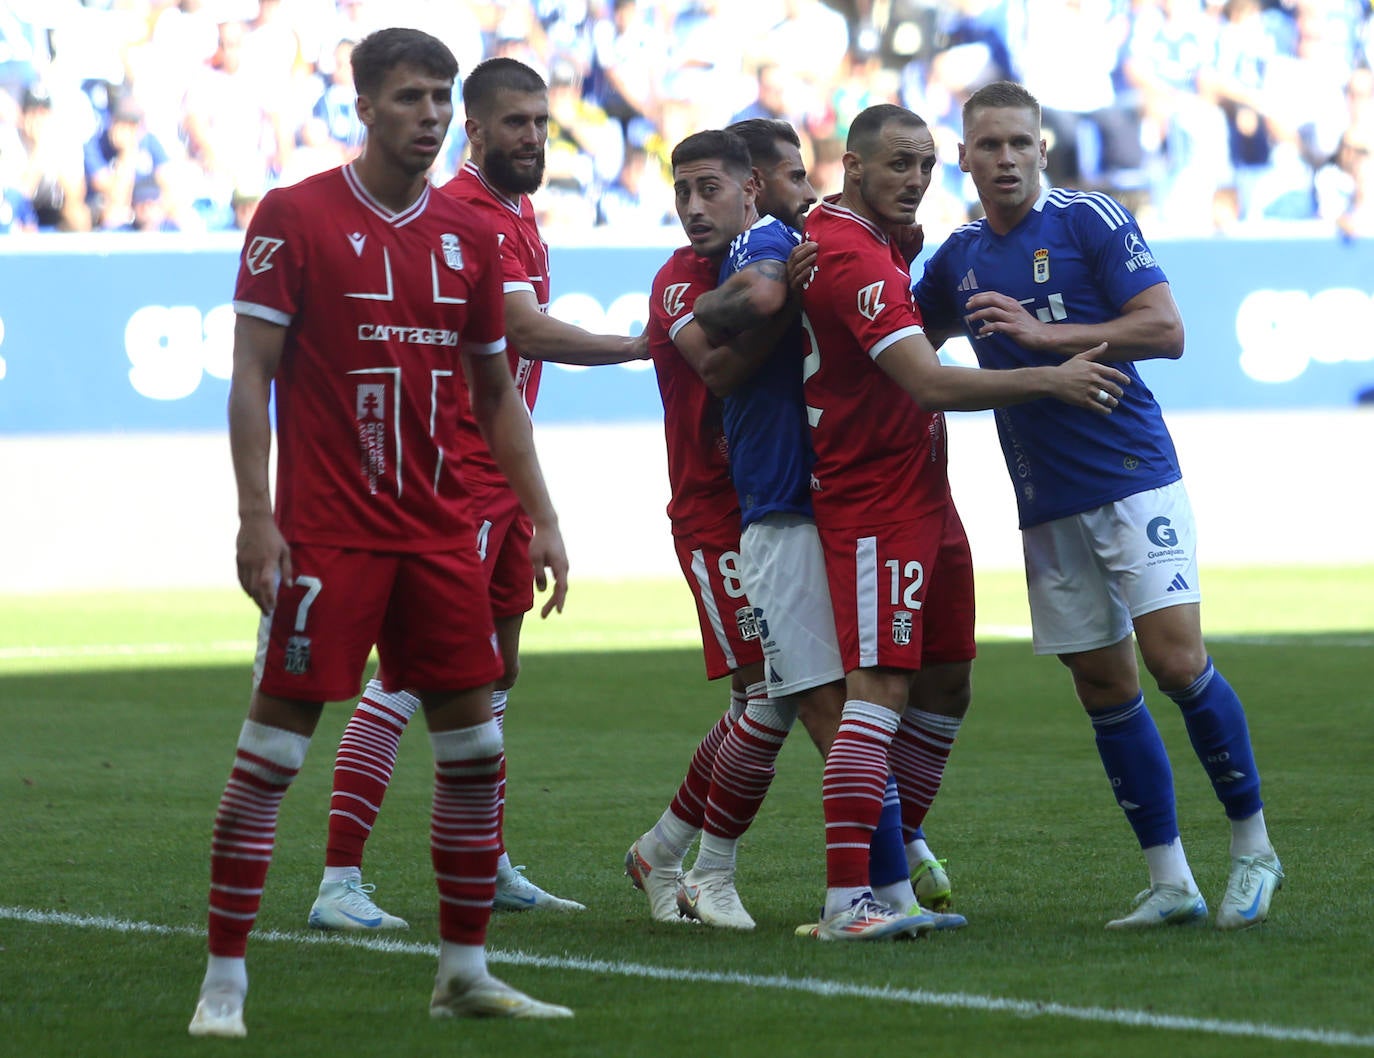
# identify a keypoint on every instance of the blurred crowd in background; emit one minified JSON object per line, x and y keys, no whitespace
{"x":1204,"y":116}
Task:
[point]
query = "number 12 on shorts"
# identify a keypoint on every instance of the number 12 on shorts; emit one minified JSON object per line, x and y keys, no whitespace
{"x":907,"y":582}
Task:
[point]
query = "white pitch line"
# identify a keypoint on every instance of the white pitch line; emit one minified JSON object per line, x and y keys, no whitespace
{"x":1023,"y":1008}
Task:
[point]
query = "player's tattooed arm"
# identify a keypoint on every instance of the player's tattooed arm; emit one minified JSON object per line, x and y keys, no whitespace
{"x":747,"y":299}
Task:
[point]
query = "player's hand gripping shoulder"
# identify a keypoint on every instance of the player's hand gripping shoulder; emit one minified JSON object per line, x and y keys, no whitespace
{"x":549,"y":556}
{"x":264,"y":559}
{"x":1084,"y":383}
{"x":801,"y":266}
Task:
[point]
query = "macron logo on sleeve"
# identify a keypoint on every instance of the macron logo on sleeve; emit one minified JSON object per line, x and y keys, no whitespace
{"x":258,"y":256}
{"x":871,"y":300}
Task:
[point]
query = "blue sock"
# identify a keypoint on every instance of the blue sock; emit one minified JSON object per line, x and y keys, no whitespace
{"x":1138,"y":767}
{"x":886,"y":850}
{"x":1221,"y":739}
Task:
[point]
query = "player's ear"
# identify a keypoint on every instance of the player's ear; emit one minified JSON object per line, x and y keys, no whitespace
{"x":853,"y":165}
{"x":1044,"y":156}
{"x":963,"y":158}
{"x":363,"y":105}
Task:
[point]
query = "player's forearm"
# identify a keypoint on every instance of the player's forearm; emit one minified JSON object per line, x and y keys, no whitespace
{"x":250,"y":446}
{"x":937,"y":387}
{"x":505,"y":426}
{"x":1149,"y":328}
{"x":541,"y":337}
{"x":744,"y":301}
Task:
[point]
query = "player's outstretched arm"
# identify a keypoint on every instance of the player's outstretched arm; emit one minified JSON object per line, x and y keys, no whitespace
{"x":505,"y":425}
{"x":1150,"y":327}
{"x":262,"y":555}
{"x":1080,"y":381}
{"x":541,"y":337}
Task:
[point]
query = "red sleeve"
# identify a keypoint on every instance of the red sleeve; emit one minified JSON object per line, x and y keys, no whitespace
{"x":271,"y":277}
{"x":872,"y":298}
{"x":486,"y":322}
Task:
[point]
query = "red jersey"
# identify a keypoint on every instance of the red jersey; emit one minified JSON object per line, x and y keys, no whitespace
{"x":378,"y":306}
{"x":698,"y":461}
{"x":524,"y":266}
{"x":880,"y":458}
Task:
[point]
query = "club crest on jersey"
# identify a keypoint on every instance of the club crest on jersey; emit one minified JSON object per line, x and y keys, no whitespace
{"x":747,"y":621}
{"x":675,"y":298}
{"x":901,"y":628}
{"x":871,"y":300}
{"x":1041,"y":268}
{"x":258,"y":257}
{"x":453,"y":251}
{"x":297,"y":656}
{"x":371,"y":415}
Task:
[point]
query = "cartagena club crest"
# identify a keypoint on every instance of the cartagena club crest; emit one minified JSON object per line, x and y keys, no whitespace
{"x":747,"y":621}
{"x":453,"y":251}
{"x":901,"y":628}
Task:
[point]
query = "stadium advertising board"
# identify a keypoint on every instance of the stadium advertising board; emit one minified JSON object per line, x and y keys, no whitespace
{"x":135,"y":333}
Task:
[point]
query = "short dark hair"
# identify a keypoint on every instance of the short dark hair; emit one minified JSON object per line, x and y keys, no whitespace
{"x":493,"y":75}
{"x":870,"y":122}
{"x":728,"y":147}
{"x":1001,"y":95}
{"x":761,"y":135}
{"x":377,"y":54}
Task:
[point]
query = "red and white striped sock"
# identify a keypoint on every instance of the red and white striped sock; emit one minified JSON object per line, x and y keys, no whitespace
{"x":498,"y":713}
{"x":464,"y":831}
{"x":920,"y":751}
{"x":688,"y":807}
{"x":266,"y":761}
{"x":362,"y":770}
{"x":741,"y":775}
{"x":852,"y":791}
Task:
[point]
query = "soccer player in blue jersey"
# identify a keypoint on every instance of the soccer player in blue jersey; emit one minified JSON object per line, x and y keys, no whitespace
{"x":1108,"y":534}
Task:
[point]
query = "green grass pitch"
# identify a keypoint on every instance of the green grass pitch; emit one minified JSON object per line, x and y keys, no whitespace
{"x":121,"y":713}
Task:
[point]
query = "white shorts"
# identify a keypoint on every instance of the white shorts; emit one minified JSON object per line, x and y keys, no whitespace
{"x":1089,"y":575}
{"x":784,"y":577}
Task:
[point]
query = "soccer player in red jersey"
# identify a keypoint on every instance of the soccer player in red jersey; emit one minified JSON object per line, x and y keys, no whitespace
{"x":704,"y":509}
{"x":507,"y":125}
{"x":363,"y":298}
{"x":901,"y":578}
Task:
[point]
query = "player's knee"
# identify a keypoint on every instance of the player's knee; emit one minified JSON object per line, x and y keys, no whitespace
{"x":1174,"y":670}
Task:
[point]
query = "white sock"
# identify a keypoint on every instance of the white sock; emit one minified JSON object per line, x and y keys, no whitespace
{"x":1250,"y":837}
{"x":668,"y":842}
{"x":342,"y":874}
{"x":837,"y":900}
{"x":1169,"y":866}
{"x":464,"y":962}
{"x":716,"y":853}
{"x":898,"y":895}
{"x":503,"y":864}
{"x":916,"y":851}
{"x":224,"y":973}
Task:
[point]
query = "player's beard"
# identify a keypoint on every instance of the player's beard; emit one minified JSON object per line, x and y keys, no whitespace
{"x":501,"y":172}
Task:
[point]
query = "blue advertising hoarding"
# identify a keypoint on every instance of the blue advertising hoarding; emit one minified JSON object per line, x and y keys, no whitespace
{"x":134,"y":333}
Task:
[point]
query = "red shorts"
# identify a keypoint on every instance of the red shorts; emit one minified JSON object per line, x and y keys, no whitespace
{"x":903,"y":593}
{"x":504,"y":532}
{"x":427,"y":614}
{"x":729,"y":626}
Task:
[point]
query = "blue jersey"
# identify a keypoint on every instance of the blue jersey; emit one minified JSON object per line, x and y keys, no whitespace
{"x":1076,"y":257}
{"x":765,"y":418}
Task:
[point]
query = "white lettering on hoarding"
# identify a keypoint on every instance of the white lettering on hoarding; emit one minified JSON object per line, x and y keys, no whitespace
{"x":1283,"y":332}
